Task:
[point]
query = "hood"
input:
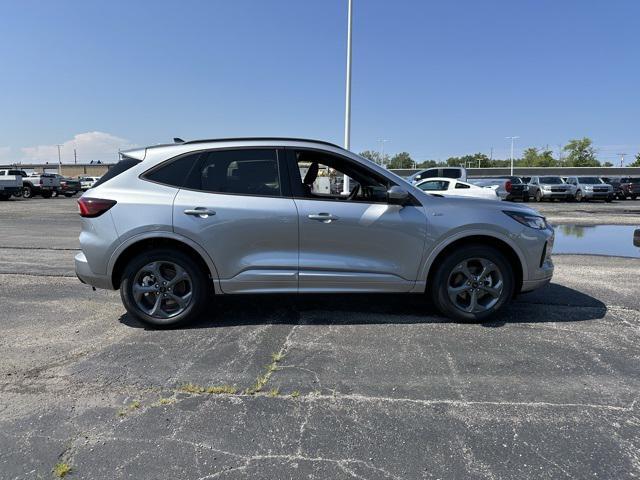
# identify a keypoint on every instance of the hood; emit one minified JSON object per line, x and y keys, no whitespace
{"x":433,"y":201}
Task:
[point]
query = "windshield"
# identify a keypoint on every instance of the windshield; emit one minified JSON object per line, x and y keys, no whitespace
{"x":551,"y":180}
{"x":589,"y":180}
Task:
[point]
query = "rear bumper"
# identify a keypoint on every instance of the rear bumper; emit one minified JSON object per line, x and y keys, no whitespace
{"x":86,"y":275}
{"x":10,"y":190}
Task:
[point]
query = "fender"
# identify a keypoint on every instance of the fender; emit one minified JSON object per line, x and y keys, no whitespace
{"x":172,"y":236}
{"x":426,"y":267}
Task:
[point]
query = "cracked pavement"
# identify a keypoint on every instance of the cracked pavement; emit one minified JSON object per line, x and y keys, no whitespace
{"x":387,"y":389}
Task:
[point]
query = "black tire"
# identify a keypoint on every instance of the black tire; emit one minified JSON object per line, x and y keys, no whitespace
{"x":200,"y":288}
{"x":69,"y":194}
{"x":538,"y":196}
{"x":27,"y":191}
{"x":47,"y":194}
{"x":4,"y":197}
{"x":525,"y":198}
{"x":439,"y":292}
{"x":608,"y":199}
{"x":633,"y":197}
{"x":579,"y":196}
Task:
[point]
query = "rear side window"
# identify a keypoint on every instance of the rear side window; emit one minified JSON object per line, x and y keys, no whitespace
{"x":122,"y":166}
{"x":462,"y":185}
{"x":241,"y":172}
{"x":174,"y":172}
{"x":451,"y":173}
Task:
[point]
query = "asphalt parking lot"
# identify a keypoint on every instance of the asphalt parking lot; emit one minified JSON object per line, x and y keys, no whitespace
{"x":368,"y":386}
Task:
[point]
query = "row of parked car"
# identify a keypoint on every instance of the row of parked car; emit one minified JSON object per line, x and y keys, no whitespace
{"x":454,"y":181}
{"x":15,"y":182}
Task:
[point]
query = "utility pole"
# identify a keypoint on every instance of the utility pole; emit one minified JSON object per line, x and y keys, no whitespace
{"x":59,"y":160}
{"x":512,"y":139}
{"x":621,"y":158}
{"x":75,"y":156}
{"x":347,"y":109}
{"x":382,"y":142}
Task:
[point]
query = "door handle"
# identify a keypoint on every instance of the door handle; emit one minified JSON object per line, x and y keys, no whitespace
{"x":323,"y":217}
{"x":200,"y":212}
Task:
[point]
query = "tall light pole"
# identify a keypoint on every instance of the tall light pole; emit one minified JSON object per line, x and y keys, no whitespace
{"x":512,"y":139}
{"x":382,"y":142}
{"x":59,"y":160}
{"x":347,"y":100}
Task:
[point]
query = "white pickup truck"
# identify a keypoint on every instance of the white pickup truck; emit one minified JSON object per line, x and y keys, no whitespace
{"x":10,"y":183}
{"x":40,"y":184}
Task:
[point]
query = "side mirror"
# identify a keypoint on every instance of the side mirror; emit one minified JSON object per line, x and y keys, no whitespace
{"x":418,"y":177}
{"x":397,"y":196}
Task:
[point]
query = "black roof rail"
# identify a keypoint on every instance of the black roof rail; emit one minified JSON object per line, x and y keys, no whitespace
{"x":261,"y":139}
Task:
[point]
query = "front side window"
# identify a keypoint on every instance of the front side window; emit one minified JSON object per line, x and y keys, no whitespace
{"x":434,"y":185}
{"x":239,"y":172}
{"x":321,"y":176}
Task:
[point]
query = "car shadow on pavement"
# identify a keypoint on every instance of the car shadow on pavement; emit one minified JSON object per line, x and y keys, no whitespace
{"x":553,"y":303}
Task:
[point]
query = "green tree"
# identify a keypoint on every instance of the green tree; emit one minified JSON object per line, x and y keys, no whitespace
{"x":607,"y":164}
{"x":428,"y":164}
{"x":637,"y":162}
{"x":580,"y":153}
{"x":401,"y":160}
{"x":374,"y":157}
{"x":533,"y":157}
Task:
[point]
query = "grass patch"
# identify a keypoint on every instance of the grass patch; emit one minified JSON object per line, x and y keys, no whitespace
{"x":213,"y":390}
{"x":262,"y":380}
{"x":166,"y":401}
{"x":61,"y":470}
{"x":274,"y":392}
{"x":295,"y":394}
{"x":134,"y":405}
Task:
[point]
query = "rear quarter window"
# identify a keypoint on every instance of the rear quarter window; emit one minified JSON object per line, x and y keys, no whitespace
{"x":120,"y":167}
{"x":173,"y":172}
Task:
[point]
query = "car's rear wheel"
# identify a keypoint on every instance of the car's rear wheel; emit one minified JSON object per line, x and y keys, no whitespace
{"x":69,"y":194}
{"x":4,"y":197}
{"x":27,"y":192}
{"x":164,"y":288}
{"x":47,"y":194}
{"x":472,"y":284}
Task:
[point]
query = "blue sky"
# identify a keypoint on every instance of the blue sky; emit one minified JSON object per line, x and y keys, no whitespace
{"x":434,"y":78}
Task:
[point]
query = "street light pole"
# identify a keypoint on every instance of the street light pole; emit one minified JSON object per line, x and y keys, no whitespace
{"x":59,"y":160}
{"x":512,"y":139}
{"x":347,"y":106}
{"x":382,"y":142}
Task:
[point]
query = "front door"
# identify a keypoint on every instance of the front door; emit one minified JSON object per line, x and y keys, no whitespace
{"x":236,"y":206}
{"x":357,"y":241}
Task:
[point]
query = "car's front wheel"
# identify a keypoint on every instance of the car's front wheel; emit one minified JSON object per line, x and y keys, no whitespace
{"x":472,"y":284}
{"x":164,"y":288}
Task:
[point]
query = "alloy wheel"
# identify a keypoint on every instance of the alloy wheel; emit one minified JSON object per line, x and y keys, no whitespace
{"x":475,"y":285}
{"x":162,"y":289}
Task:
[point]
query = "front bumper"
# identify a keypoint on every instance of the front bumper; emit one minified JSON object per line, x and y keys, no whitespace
{"x":86,"y":275}
{"x":562,"y":195}
{"x":595,"y":195}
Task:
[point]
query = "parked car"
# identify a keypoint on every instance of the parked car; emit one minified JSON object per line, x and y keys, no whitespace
{"x":550,"y":188}
{"x":509,"y":187}
{"x":459,"y":173}
{"x":44,"y":184}
{"x":68,"y":186}
{"x":87,"y":182}
{"x":624,"y":187}
{"x":237,"y":216}
{"x":10,"y":183}
{"x":451,"y":187}
{"x":591,"y":188}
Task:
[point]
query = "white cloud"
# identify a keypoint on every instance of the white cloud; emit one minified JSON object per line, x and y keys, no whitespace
{"x":89,"y":146}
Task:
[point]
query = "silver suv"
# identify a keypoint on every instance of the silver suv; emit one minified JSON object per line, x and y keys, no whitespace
{"x":591,"y":188}
{"x":170,"y":225}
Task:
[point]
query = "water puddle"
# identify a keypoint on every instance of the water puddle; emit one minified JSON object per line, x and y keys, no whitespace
{"x":617,"y":240}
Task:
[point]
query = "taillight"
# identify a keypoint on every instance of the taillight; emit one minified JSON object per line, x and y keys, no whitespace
{"x":507,"y":187}
{"x":41,"y":181}
{"x":94,"y":207}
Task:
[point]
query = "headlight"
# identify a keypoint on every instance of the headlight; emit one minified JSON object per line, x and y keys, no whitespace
{"x":533,"y":221}
{"x":588,"y":188}
{"x":546,"y":187}
{"x":525,"y":188}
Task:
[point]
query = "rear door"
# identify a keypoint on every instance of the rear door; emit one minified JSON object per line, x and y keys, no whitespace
{"x":356,"y":242}
{"x":236,"y":205}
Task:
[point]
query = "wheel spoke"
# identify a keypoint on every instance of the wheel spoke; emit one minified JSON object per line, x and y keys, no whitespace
{"x":181,"y":301}
{"x":473,"y":301}
{"x":181,"y":275}
{"x":493,"y":290}
{"x":156,"y":310}
{"x":140,"y":290}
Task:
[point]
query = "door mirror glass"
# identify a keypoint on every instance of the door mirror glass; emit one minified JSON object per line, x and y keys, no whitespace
{"x":397,"y":196}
